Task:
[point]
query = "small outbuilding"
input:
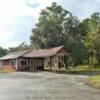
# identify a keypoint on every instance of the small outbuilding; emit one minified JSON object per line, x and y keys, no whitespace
{"x":32,"y":60}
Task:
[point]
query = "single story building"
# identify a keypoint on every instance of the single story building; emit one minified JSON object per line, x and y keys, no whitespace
{"x":31,"y":60}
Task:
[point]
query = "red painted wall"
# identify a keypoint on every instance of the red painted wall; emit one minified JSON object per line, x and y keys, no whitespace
{"x":6,"y":66}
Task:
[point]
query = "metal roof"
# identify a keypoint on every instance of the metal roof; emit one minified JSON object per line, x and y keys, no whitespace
{"x":14,"y":55}
{"x":43,"y":52}
{"x":32,"y":53}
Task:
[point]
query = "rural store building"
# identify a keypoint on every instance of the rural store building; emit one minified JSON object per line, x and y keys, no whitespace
{"x":32,"y":60}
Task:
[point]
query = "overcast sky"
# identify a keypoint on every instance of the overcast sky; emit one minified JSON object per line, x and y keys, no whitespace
{"x":18,"y":17}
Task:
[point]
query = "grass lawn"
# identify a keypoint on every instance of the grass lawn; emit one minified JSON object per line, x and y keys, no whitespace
{"x":86,"y":68}
{"x":95,"y":81}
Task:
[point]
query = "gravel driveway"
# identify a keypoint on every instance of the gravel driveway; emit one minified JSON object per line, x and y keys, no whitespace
{"x":45,"y":86}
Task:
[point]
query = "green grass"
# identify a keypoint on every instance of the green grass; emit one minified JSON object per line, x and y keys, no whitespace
{"x":95,"y":81}
{"x":86,"y":68}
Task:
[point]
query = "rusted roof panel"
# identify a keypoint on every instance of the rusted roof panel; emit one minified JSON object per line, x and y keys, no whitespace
{"x":43,"y":52}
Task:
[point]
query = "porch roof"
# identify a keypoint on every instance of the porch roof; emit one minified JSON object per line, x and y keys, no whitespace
{"x":14,"y":55}
{"x":43,"y":52}
{"x":33,"y":53}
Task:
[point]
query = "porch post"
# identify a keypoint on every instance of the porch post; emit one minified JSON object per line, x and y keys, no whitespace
{"x":17,"y":64}
{"x":64,"y":59}
{"x":30,"y":64}
{"x":1,"y":64}
{"x":50,"y":63}
{"x":35,"y":64}
{"x":44,"y":63}
{"x":57,"y":63}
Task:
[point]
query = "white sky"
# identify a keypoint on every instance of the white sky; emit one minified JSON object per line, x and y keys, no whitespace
{"x":18,"y":17}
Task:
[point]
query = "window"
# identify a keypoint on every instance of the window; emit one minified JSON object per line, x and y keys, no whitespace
{"x":39,"y":62}
{"x":24,"y":62}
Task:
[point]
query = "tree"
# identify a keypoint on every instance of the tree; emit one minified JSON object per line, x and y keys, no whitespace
{"x":96,"y":46}
{"x":58,"y":26}
{"x":71,"y":26}
{"x":53,"y":26}
{"x":3,"y":52}
{"x":20,"y":47}
{"x":77,"y":49}
{"x":89,"y":27}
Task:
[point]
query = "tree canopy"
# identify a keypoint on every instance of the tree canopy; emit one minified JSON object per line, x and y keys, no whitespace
{"x":20,"y":47}
{"x":3,"y":52}
{"x":58,"y":26}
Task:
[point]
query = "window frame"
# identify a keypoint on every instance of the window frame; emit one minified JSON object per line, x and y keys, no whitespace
{"x":25,"y":61}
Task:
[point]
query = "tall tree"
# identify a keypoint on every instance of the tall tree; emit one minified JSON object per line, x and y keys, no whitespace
{"x":55,"y":23}
{"x":3,"y":52}
{"x":90,"y":27}
{"x":20,"y":47}
{"x":58,"y":26}
{"x":96,"y":46}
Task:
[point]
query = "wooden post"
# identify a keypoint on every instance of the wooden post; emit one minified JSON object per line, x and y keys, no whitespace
{"x":50,"y":63}
{"x":1,"y":64}
{"x":44,"y":63}
{"x":57,"y":63}
{"x":17,"y":64}
{"x":30,"y":64}
{"x":35,"y":64}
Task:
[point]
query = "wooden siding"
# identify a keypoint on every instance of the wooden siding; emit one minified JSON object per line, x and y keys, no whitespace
{"x":62,"y":52}
{"x":22,"y":67}
{"x":7,"y":66}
